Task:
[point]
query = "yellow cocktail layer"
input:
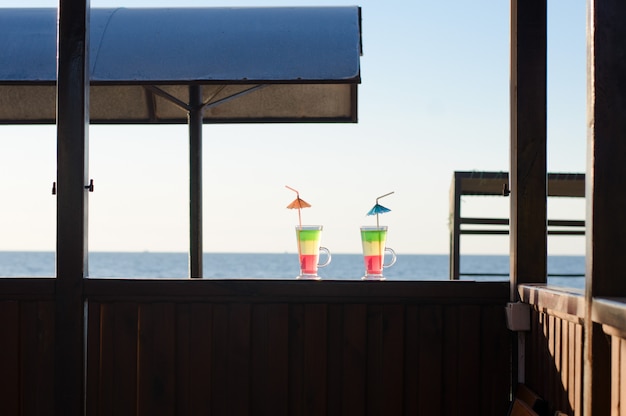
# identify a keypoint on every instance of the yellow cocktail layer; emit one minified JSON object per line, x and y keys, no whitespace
{"x":372,"y":248}
{"x":309,"y":246}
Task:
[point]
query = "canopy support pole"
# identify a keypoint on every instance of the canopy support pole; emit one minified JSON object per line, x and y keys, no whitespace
{"x":195,"y":181}
{"x":72,"y":197}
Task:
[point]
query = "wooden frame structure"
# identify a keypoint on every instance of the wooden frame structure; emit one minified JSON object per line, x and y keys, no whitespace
{"x":478,"y":183}
{"x":75,"y":346}
{"x":603,"y":306}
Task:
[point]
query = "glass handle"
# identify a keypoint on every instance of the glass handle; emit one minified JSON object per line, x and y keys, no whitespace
{"x":393,"y":257}
{"x":328,"y":257}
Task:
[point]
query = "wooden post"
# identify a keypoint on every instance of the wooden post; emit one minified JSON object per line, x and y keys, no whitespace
{"x":606,"y":173}
{"x":528,"y":174}
{"x":72,"y":176}
{"x":195,"y":181}
{"x":455,"y":226}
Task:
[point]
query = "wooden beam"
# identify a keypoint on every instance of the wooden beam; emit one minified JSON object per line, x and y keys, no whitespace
{"x":528,"y":173}
{"x":491,"y":183}
{"x":606,"y":172}
{"x":566,"y":184}
{"x":72,"y":176}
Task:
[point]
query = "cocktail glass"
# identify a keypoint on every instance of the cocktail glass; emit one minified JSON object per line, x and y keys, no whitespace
{"x":373,"y":239}
{"x":309,"y":237}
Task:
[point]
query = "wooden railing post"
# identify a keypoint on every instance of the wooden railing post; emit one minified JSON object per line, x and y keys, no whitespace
{"x":606,"y":172}
{"x":455,"y":226}
{"x":528,"y":174}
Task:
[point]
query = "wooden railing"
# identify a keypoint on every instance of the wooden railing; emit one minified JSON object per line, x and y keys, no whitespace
{"x":611,"y":314}
{"x":555,"y":345}
{"x":163,"y":347}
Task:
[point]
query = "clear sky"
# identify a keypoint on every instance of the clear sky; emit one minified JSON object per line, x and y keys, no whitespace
{"x":434,"y":99}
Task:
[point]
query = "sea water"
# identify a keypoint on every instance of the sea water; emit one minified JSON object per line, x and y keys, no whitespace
{"x":285,"y":266}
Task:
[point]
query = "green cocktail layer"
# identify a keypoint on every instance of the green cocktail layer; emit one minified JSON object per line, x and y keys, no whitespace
{"x":309,"y":235}
{"x":373,"y":235}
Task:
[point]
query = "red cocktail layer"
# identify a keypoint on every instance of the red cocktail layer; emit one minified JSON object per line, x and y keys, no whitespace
{"x":308,"y":263}
{"x":374,"y":264}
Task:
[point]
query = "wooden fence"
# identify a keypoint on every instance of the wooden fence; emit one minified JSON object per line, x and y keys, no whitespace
{"x":555,"y":346}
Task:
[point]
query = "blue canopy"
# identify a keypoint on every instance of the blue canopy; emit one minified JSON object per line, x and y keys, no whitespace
{"x":272,"y":64}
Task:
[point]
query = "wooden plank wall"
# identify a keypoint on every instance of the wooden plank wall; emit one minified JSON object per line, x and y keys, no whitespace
{"x":618,"y":375}
{"x":27,"y":357}
{"x":243,"y":357}
{"x":617,"y":339}
{"x":554,"y":346}
{"x":554,"y":358}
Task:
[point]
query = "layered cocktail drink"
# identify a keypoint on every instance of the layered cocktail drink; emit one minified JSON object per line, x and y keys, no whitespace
{"x":309,"y":237}
{"x":373,"y":240}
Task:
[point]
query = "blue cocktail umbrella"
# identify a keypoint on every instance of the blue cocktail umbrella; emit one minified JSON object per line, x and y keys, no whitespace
{"x":379,"y":209}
